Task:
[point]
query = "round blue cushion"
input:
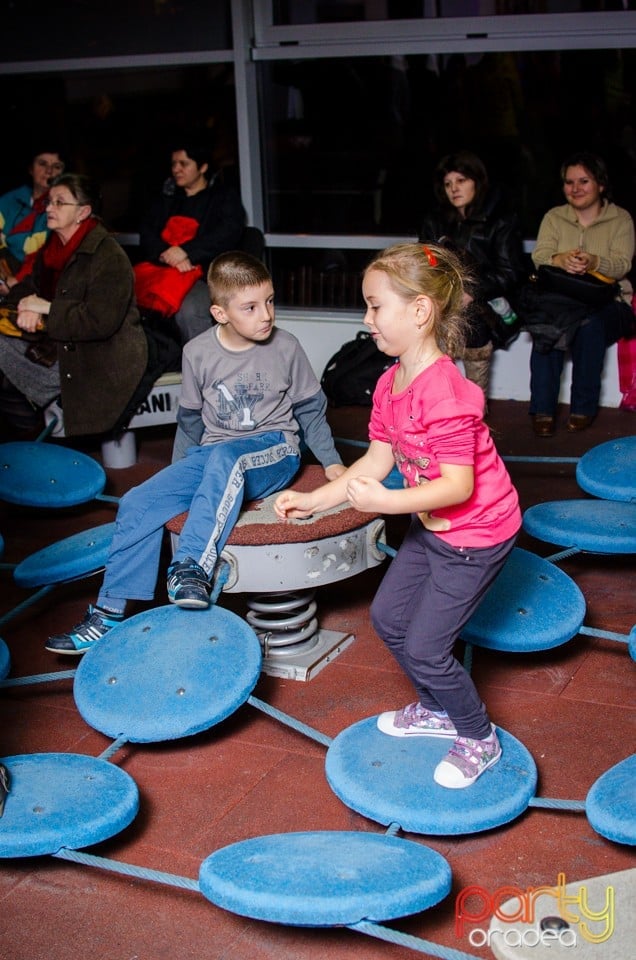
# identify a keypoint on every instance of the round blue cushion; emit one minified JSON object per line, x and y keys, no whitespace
{"x":325,"y":878}
{"x":532,"y":605}
{"x":611,"y":803}
{"x":5,"y":660}
{"x":597,"y":526}
{"x":63,"y":800}
{"x":70,"y":559}
{"x":37,"y":474}
{"x":390,"y":780}
{"x":608,"y":470}
{"x":168,"y":673}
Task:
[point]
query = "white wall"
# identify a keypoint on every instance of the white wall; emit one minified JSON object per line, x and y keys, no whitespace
{"x":322,"y":333}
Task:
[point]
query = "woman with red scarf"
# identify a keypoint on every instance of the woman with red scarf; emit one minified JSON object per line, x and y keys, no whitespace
{"x":81,"y":336}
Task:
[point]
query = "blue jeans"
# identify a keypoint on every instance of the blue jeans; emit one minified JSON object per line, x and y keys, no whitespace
{"x":427,"y":595}
{"x":210,"y":482}
{"x":588,"y":356}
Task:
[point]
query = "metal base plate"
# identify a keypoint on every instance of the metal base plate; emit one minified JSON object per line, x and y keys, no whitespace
{"x":317,"y":652}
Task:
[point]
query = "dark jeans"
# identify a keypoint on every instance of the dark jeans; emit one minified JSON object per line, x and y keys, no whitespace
{"x":588,"y":355}
{"x":427,"y":595}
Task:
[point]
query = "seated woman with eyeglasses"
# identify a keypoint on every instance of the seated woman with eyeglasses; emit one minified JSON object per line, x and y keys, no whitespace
{"x":77,"y":332}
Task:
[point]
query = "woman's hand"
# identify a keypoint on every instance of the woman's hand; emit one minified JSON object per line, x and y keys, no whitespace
{"x":34,"y":304}
{"x":30,"y":321}
{"x":576,"y":261}
{"x":172,"y":256}
{"x":293,"y":505}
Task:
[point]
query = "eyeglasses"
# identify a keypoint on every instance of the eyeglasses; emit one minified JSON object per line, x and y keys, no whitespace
{"x":61,"y":203}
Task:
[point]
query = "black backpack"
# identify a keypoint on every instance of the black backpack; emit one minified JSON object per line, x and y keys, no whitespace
{"x":350,"y":377}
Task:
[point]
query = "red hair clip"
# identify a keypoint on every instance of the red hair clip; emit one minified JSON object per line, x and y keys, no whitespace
{"x":430,"y":256}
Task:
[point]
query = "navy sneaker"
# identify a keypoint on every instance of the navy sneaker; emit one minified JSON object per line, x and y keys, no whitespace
{"x":85,"y":634}
{"x":188,"y":585}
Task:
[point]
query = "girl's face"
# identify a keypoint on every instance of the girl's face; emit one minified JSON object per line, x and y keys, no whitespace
{"x":460,"y":190}
{"x":391,"y":321}
{"x":581,"y":190}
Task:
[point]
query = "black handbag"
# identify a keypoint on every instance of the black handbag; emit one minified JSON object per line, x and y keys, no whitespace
{"x":585,"y":288}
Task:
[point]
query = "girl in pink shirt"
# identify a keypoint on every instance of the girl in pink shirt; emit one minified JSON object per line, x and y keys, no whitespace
{"x":427,"y":419}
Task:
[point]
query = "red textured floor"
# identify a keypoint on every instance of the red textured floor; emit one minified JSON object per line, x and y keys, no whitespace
{"x":572,"y":707}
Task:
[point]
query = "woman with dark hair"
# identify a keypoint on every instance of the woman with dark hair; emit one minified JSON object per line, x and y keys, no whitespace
{"x":195,"y":219}
{"x":77,"y":330}
{"x":587,"y":234}
{"x":471,"y":218}
{"x":23,"y":227}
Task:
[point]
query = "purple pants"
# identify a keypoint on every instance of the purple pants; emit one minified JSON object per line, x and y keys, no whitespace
{"x":428,"y":593}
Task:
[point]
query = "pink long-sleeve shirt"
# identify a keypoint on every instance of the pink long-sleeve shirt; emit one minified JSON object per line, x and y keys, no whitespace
{"x":438,"y":420}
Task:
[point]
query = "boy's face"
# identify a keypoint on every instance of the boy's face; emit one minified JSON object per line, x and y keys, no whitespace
{"x":248,"y":317}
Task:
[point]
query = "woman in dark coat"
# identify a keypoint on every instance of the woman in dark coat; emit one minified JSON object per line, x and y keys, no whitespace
{"x":471,"y":218}
{"x":77,"y":314}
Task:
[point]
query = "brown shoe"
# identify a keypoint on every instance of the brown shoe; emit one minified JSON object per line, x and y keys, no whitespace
{"x":578,"y":421}
{"x":543,"y":425}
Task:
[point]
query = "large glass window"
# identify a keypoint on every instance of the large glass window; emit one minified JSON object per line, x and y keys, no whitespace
{"x":351,"y":145}
{"x":33,"y":30}
{"x":120,"y":126}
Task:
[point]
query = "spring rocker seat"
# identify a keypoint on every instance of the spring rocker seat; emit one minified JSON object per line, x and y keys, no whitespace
{"x":284,"y":563}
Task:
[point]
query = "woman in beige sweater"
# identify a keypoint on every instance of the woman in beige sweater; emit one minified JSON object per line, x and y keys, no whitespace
{"x":588,"y":233}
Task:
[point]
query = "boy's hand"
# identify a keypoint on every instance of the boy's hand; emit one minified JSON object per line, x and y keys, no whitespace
{"x":334,"y":470}
{"x":367,"y":494}
{"x":292,"y":505}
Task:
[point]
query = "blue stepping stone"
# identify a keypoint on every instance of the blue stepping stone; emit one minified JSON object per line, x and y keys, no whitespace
{"x":63,"y":800}
{"x":325,"y":878}
{"x":595,"y":526}
{"x":70,"y":559}
{"x":532,"y":605}
{"x":390,"y":780}
{"x":608,"y":470}
{"x":611,"y":803}
{"x":36,"y":474}
{"x":168,"y":673}
{"x":5,"y":660}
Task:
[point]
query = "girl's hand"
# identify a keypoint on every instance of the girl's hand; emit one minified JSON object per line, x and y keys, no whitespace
{"x":30,"y":321}
{"x":293,"y":505}
{"x":367,"y":495}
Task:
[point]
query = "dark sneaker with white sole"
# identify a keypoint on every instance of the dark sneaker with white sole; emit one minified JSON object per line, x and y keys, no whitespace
{"x":188,"y":585}
{"x":85,"y":634}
